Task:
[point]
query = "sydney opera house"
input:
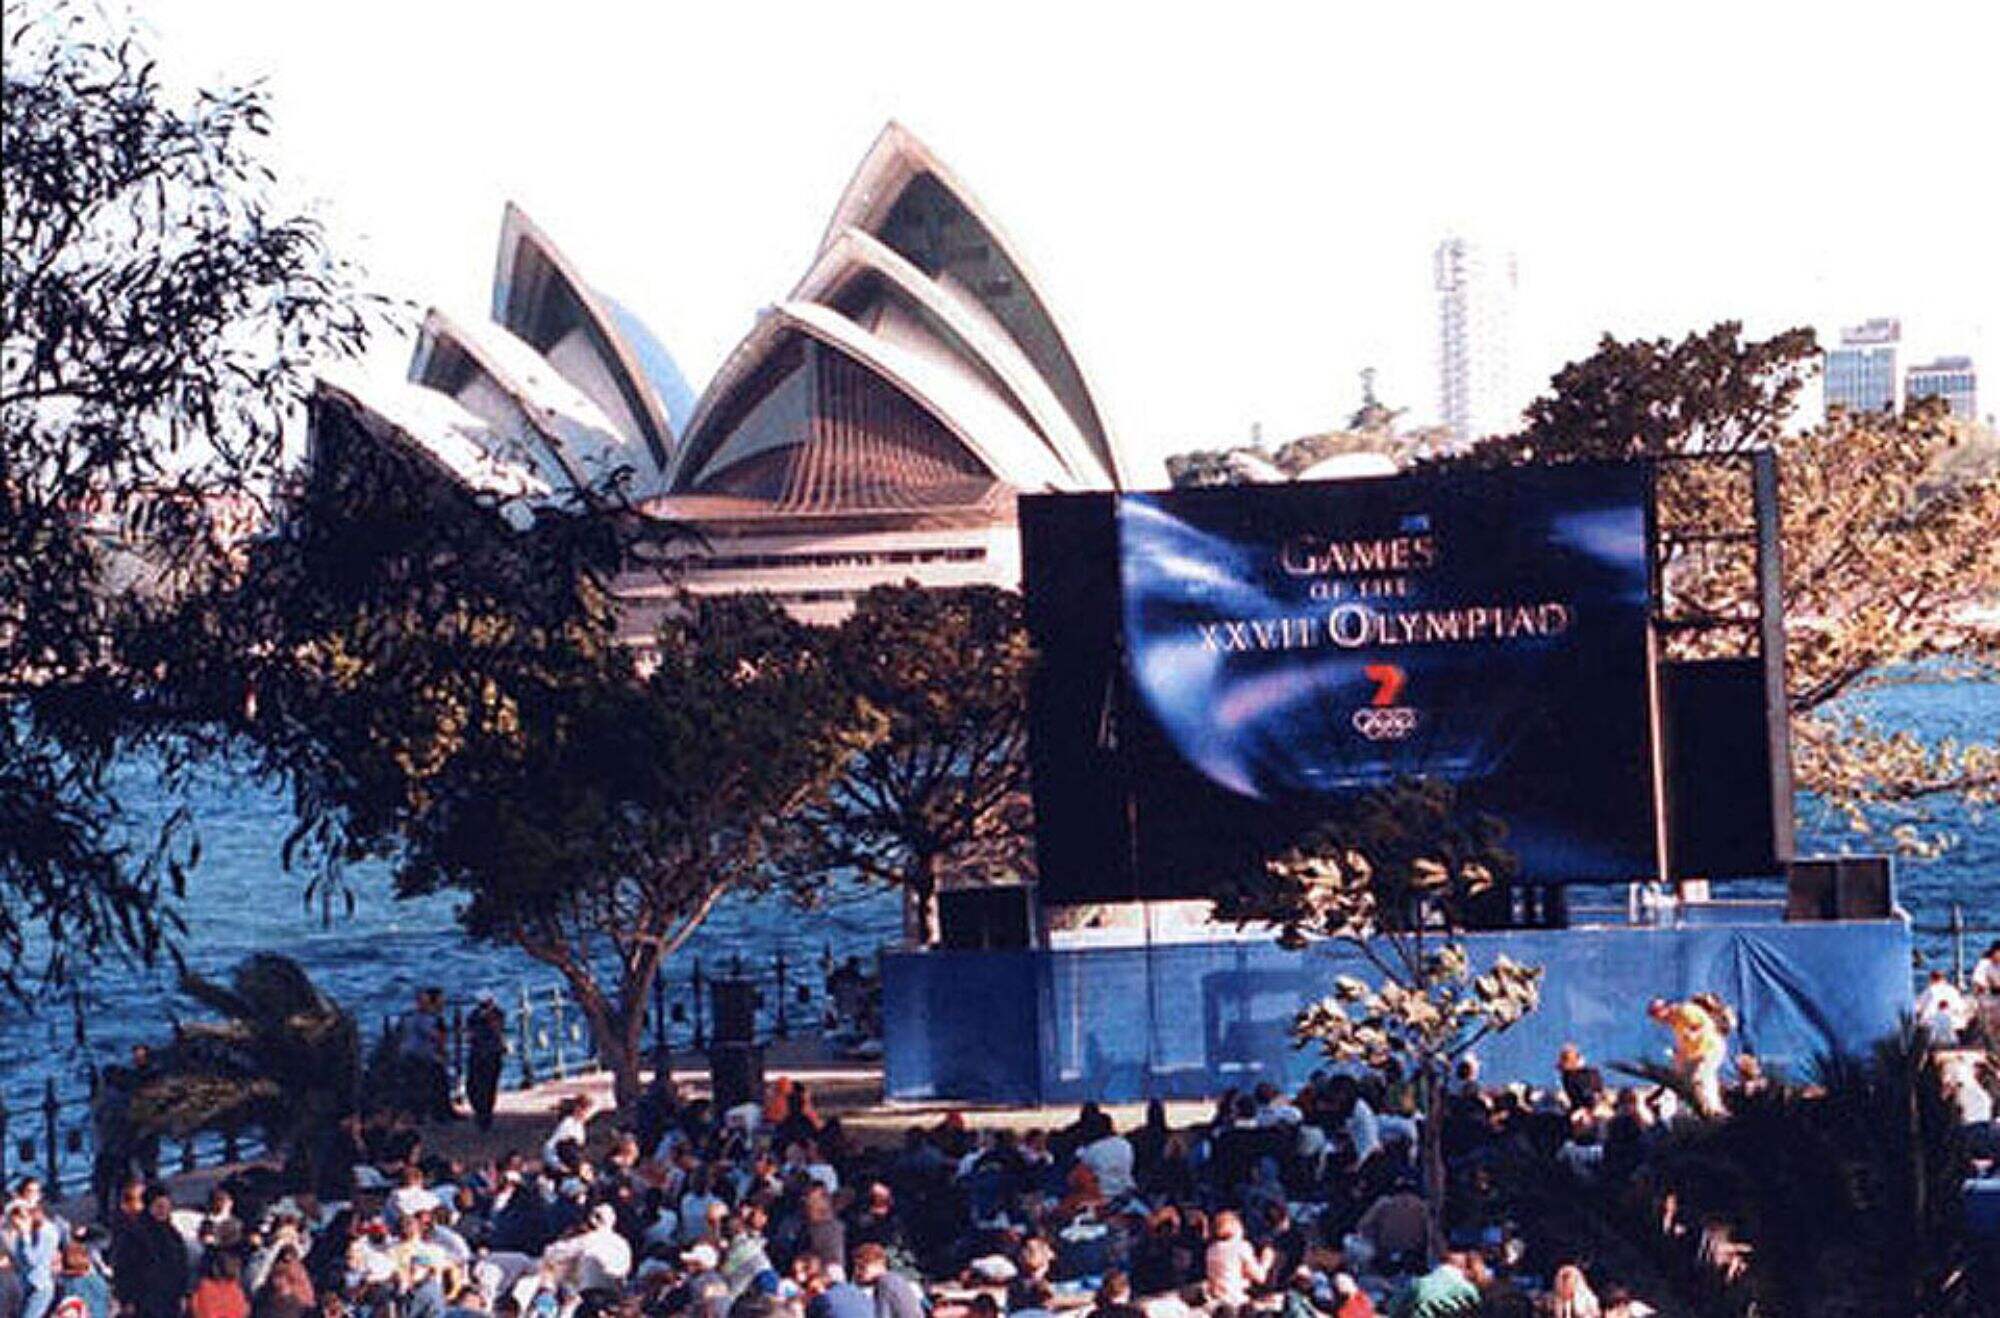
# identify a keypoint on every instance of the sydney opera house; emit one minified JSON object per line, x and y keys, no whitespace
{"x":875,"y":426}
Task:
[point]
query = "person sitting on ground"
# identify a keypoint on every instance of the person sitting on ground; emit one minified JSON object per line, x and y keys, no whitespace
{"x":572,"y":1118}
{"x":1750,"y":1078}
{"x":1351,"y":1301}
{"x":1942,"y":1012}
{"x":219,"y":1293}
{"x":1114,"y":1297}
{"x":896,"y":1296}
{"x":1570,"y":1296}
{"x":595,"y":1258}
{"x":1445,"y":1290}
{"x":1110,"y":1157}
{"x":1986,"y":972}
{"x":287,"y":1291}
{"x":1232,"y":1267}
{"x":1396,"y":1228}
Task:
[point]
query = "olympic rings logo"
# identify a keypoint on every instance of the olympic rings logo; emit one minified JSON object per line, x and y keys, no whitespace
{"x":1385,"y":722}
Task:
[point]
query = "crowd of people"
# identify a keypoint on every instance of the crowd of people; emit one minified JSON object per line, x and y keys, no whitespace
{"x":1305,"y":1204}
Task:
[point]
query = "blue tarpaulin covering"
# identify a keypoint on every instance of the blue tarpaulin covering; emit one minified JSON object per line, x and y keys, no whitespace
{"x":1187,"y":1020}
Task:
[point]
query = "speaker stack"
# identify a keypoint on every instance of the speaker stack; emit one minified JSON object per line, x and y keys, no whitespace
{"x":1840,"y":888}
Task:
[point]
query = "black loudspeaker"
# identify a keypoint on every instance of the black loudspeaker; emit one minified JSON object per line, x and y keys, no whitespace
{"x":1841,"y":888}
{"x":733,"y":1006}
{"x":986,"y":919}
{"x":1718,"y":759}
{"x":1864,"y":888}
{"x":1809,"y":890}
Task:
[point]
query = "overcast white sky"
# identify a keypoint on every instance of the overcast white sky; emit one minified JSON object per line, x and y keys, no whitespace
{"x":1232,"y":207}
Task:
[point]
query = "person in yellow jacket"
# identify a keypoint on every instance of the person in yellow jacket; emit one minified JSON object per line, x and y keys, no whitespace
{"x":1700,"y":1044}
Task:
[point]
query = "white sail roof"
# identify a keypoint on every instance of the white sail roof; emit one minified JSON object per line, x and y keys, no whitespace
{"x":596,"y":344}
{"x":905,"y":196}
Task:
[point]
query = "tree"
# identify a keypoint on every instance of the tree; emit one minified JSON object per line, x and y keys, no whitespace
{"x":284,"y":1060}
{"x":945,"y":789}
{"x":1884,"y":564}
{"x":444,"y":687}
{"x":1874,"y":1145}
{"x":1393,"y":878}
{"x":159,"y":316}
{"x":631,"y":808}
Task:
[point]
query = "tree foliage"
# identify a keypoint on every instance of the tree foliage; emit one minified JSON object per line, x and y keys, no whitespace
{"x":1395,"y":878}
{"x":944,"y":791}
{"x":283,"y":1060}
{"x":1874,"y":1146}
{"x":159,"y":315}
{"x":1885,"y":565}
{"x":448,"y":691}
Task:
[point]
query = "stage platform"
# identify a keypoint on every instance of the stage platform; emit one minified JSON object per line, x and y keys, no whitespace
{"x":1192,"y":1019}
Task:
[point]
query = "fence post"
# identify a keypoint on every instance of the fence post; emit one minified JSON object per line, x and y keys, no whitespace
{"x":527,"y":1039}
{"x":700,"y":1038}
{"x":52,"y":1146}
{"x":779,"y":1027}
{"x":556,"y":1010}
{"x":1958,"y":944}
{"x":5,"y":1147}
{"x":230,"y":1148}
{"x":660,"y":1053}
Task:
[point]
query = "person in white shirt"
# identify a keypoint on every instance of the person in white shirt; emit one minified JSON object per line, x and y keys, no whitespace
{"x":573,"y":1114}
{"x":1232,"y":1266}
{"x":1986,"y":973}
{"x":1942,"y":1010}
{"x":1110,"y":1157}
{"x":598,"y":1258}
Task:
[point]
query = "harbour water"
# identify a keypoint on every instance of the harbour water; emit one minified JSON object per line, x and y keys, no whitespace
{"x":241,"y":900}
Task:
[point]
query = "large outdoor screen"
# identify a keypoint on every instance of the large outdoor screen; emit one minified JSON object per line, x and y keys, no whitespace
{"x":1223,"y":668}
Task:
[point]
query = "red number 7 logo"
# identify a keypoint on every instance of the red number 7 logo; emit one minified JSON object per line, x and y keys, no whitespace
{"x":1388,"y":680}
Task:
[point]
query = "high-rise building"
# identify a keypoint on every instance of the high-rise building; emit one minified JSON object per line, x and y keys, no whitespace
{"x":1476,"y":288}
{"x":1861,"y":372}
{"x":1949,"y":378}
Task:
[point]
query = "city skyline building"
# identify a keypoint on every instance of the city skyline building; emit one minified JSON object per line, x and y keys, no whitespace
{"x":1861,"y":372}
{"x":1477,"y":288}
{"x":1953,"y":379}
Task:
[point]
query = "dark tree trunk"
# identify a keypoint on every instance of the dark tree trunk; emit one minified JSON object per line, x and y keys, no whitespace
{"x":920,"y":906}
{"x":616,"y":1032}
{"x":1432,"y":1152}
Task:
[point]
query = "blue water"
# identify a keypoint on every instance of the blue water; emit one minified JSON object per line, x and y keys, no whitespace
{"x":240,"y":899}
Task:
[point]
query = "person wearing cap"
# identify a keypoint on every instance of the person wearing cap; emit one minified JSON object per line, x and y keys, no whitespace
{"x":703,"y":1293}
{"x":596,"y":1258}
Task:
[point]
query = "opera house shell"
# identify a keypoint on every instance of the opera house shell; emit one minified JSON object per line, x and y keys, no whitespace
{"x":875,"y":426}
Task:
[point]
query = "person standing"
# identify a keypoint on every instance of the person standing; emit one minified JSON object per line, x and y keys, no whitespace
{"x":149,"y":1260}
{"x":485,"y":1050}
{"x":1700,"y":1044}
{"x":36,"y":1244}
{"x":422,"y":1048}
